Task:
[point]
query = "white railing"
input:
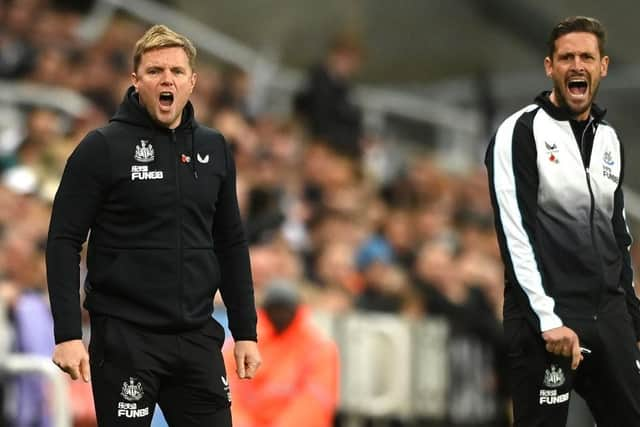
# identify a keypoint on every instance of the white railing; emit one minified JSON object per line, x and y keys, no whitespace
{"x":22,"y":363}
{"x":46,"y":96}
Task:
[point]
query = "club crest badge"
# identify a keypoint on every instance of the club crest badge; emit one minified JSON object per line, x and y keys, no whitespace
{"x":144,"y":152}
{"x":608,"y":162}
{"x":553,"y":377}
{"x":132,"y":391}
{"x":607,"y":159}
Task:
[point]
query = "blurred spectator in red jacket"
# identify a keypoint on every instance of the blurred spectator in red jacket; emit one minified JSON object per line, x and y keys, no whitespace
{"x":298,"y":382}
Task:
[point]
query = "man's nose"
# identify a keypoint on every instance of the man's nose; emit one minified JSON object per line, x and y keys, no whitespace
{"x":578,"y":64}
{"x":166,"y":78}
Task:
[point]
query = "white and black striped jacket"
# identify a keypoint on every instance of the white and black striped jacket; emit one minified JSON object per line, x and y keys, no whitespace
{"x":559,"y":215}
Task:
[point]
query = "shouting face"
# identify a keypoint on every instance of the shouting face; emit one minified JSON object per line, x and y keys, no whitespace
{"x":164,"y":81}
{"x":576,"y":69}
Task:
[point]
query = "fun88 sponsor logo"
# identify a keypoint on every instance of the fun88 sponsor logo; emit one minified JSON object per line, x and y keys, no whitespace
{"x":142,"y":172}
{"x":551,"y":397}
{"x":131,"y":410}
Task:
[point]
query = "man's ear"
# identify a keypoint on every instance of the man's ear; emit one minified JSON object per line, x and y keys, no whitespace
{"x":548,"y":66}
{"x":134,"y":80}
{"x":604,"y":66}
{"x":194,"y":79}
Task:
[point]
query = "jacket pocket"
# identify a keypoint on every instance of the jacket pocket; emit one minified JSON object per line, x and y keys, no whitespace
{"x":140,"y":286}
{"x":201,"y":277}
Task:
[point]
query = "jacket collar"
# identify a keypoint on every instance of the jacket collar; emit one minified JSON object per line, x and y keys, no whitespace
{"x":562,"y":113}
{"x":131,"y":111}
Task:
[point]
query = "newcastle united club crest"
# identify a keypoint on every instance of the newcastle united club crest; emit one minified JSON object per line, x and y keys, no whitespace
{"x":132,"y":391}
{"x":144,"y":152}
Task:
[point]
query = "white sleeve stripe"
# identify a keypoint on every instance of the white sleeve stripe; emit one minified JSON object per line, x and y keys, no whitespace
{"x":626,"y":224}
{"x":521,"y":252}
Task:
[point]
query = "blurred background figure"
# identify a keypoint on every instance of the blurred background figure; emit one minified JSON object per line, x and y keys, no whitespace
{"x":30,"y":317}
{"x":299,"y":385}
{"x":325,"y":102}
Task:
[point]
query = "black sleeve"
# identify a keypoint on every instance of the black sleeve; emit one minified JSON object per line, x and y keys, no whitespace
{"x":624,"y":240}
{"x":232,"y":250}
{"x":81,"y":191}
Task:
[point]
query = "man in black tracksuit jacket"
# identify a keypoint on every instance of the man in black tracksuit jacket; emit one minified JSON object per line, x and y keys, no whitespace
{"x":157,"y":192}
{"x":555,"y":173}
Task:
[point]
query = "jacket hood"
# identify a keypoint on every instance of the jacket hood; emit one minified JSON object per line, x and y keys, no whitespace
{"x":563,"y":113}
{"x":132,"y":112}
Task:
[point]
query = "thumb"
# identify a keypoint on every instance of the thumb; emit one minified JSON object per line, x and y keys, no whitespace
{"x":85,"y":370}
{"x":74,"y":372}
{"x":576,"y":355}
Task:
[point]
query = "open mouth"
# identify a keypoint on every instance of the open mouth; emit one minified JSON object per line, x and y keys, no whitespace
{"x":166,"y":99}
{"x":577,"y":86}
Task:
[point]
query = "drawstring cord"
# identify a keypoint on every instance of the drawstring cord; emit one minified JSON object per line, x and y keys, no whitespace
{"x":194,"y":168}
{"x":184,"y":158}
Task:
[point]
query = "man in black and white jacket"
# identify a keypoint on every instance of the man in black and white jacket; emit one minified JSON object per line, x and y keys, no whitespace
{"x":571,"y":314}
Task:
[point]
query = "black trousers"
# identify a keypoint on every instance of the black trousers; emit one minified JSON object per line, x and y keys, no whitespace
{"x":608,"y":378}
{"x":133,"y":369}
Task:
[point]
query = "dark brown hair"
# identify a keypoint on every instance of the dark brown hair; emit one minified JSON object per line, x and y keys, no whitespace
{"x":577,"y":24}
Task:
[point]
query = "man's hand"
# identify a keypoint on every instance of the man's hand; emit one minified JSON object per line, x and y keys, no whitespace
{"x":247,"y":357}
{"x":72,"y":358}
{"x":564,"y":341}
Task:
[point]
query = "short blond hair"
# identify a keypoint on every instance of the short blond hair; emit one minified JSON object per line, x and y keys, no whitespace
{"x":160,"y":36}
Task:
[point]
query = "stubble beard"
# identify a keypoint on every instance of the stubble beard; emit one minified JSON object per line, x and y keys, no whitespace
{"x":562,"y":101}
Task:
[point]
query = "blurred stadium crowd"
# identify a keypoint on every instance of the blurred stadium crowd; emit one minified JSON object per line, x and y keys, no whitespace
{"x":321,"y":207}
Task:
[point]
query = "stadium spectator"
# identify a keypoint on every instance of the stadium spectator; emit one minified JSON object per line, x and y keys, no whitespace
{"x":475,"y":343}
{"x":325,"y":101}
{"x":299,"y":383}
{"x":32,"y":325}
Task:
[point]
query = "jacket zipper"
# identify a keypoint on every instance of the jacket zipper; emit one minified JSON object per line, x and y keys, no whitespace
{"x":598,"y":292}
{"x":178,"y":218}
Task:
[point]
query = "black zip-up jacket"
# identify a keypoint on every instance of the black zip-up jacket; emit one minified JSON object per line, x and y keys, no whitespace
{"x":556,"y":189}
{"x":166,"y":232}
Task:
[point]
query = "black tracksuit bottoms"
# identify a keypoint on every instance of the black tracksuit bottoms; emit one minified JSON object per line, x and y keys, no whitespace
{"x":132,"y":369}
{"x":608,"y":378}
